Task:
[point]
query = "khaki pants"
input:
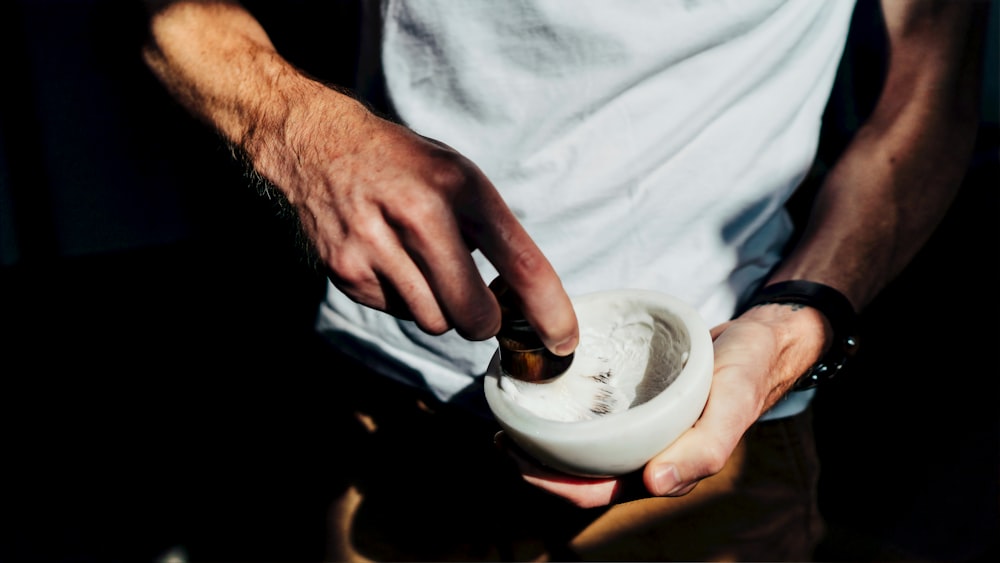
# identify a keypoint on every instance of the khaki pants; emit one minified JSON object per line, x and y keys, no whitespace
{"x":422,"y":482}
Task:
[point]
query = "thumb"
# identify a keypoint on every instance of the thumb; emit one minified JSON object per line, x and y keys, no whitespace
{"x":702,"y":451}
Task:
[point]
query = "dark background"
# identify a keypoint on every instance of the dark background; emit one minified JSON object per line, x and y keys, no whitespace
{"x":156,"y":322}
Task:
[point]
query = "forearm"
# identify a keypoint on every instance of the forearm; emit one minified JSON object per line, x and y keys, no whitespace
{"x":895,"y":181}
{"x":390,"y":214}
{"x":880,"y":204}
{"x":217,"y":60}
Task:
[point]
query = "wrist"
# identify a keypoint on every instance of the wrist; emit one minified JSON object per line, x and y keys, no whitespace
{"x":800,"y":336}
{"x":841,"y":322}
{"x":296,"y":130}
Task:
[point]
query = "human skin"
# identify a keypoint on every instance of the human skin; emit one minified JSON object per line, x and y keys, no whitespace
{"x":393,"y":215}
{"x":874,"y":211}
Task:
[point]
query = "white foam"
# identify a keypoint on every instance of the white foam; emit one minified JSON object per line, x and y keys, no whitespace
{"x":619,"y":363}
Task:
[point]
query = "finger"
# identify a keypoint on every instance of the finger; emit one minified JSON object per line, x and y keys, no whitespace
{"x":704,"y":449}
{"x":407,"y":296}
{"x":404,"y":296}
{"x":434,"y":243}
{"x":373,"y":269}
{"x":679,"y":469}
{"x":581,"y":491}
{"x":405,"y":290}
{"x":527,"y":271}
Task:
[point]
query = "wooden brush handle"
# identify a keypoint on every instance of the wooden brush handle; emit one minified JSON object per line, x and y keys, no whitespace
{"x":522,"y":354}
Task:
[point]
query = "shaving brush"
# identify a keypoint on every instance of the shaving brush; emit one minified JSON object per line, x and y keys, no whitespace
{"x":523,"y":355}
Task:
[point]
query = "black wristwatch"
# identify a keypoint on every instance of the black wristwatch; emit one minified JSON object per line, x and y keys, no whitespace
{"x":837,"y":310}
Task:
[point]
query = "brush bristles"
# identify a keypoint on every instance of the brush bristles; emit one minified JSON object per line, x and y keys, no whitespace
{"x":605,"y":400}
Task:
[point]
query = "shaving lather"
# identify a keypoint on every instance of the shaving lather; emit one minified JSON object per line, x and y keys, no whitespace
{"x":523,"y":356}
{"x":575,"y":387}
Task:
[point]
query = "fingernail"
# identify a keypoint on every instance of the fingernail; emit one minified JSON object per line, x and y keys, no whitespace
{"x":566,"y":348}
{"x":666,"y":480}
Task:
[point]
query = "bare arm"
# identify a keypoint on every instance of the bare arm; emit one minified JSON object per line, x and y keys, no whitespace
{"x":877,"y":207}
{"x":897,"y":178}
{"x":393,"y":215}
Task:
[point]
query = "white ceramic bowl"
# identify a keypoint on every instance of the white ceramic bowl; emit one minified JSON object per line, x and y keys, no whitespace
{"x":672,"y":386}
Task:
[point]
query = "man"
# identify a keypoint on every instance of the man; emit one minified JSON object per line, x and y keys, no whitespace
{"x":571,"y":147}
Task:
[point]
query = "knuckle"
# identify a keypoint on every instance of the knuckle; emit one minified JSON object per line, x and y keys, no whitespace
{"x":415,"y":213}
{"x":527,"y":265}
{"x":715,"y":458}
{"x":478,"y":323}
{"x":366,"y":229}
{"x":449,"y":173}
{"x":350,"y":269}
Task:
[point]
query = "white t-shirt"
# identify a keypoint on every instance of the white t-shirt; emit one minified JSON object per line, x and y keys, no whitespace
{"x":642,"y":144}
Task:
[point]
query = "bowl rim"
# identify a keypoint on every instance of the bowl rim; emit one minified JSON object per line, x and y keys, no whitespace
{"x":701,"y":352}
